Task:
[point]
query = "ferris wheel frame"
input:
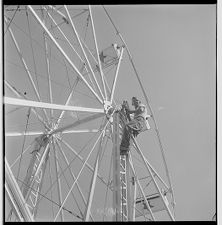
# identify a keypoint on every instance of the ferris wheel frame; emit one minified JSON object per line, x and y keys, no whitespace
{"x":104,"y":96}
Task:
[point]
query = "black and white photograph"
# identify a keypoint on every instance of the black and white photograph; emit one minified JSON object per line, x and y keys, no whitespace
{"x":109,"y":112}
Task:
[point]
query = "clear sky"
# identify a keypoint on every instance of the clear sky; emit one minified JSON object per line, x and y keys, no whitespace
{"x":174,"y":50}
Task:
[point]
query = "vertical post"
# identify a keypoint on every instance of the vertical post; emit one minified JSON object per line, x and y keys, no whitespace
{"x":134,"y":199}
{"x":116,"y":169}
{"x":58,"y":181}
{"x":129,"y":206}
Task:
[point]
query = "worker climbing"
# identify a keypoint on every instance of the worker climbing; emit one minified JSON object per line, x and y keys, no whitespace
{"x":134,"y":126}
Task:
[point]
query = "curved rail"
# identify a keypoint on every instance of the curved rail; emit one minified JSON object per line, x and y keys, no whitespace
{"x":148,"y":104}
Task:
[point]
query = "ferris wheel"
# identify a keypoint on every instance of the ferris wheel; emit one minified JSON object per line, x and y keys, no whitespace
{"x":63,"y":121}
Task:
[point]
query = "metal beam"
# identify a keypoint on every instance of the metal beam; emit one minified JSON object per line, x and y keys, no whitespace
{"x":155,"y":173}
{"x":129,"y":201}
{"x":57,"y":11}
{"x":141,"y":189}
{"x":58,"y":179}
{"x":97,"y":63}
{"x":85,"y":56}
{"x":93,"y":181}
{"x":153,"y":179}
{"x":15,"y":194}
{"x":27,"y":148}
{"x":14,"y":207}
{"x":64,"y":35}
{"x":83,"y":166}
{"x":17,"y":134}
{"x":33,"y":133}
{"x":116,"y":169}
{"x":40,"y":185}
{"x":97,"y":52}
{"x":79,"y":157}
{"x":47,"y":67}
{"x":57,"y":26}
{"x":63,"y":53}
{"x":67,"y":102}
{"x":80,"y":131}
{"x":115,"y":79}
{"x":74,"y":178}
{"x":37,"y":170}
{"x":77,"y":123}
{"x":45,"y":105}
{"x":134,"y":199}
{"x":23,"y":96}
{"x":26,"y":69}
{"x":149,"y":106}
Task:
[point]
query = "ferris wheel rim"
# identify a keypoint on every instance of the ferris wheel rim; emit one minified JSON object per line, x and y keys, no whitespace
{"x":104,"y":99}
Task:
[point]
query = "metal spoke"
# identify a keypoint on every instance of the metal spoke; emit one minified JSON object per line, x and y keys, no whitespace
{"x":93,"y":181}
{"x":63,"y":53}
{"x":79,"y":157}
{"x":110,"y":169}
{"x":154,"y":172}
{"x":58,"y":179}
{"x":83,"y":166}
{"x":26,"y":69}
{"x":115,"y":79}
{"x":17,"y":134}
{"x":48,"y":68}
{"x":12,"y":189}
{"x":14,"y":91}
{"x":154,"y":181}
{"x":50,"y":178}
{"x":38,"y":169}
{"x":33,"y":56}
{"x":45,"y":105}
{"x":77,"y":123}
{"x":140,"y":187}
{"x":66,"y":168}
{"x":64,"y":36}
{"x":73,"y":176}
{"x":83,"y":51}
{"x":67,"y":102}
{"x":97,"y":63}
{"x":97,"y":52}
{"x":57,"y":11}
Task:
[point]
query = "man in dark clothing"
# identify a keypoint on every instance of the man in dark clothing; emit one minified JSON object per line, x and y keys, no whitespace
{"x":137,"y":124}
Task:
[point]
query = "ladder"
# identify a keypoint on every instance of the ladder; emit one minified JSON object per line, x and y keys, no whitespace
{"x":123,"y":185}
{"x":32,"y":183}
{"x":120,"y":177}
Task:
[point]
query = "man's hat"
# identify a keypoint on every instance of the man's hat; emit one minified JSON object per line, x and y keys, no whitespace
{"x":135,"y":99}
